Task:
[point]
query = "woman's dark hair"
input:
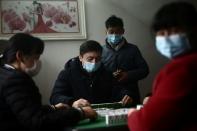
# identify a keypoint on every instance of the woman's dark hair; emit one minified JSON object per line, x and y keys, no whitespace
{"x":176,"y":14}
{"x":24,"y":43}
{"x":3,"y":45}
{"x":114,"y":21}
{"x":90,"y":46}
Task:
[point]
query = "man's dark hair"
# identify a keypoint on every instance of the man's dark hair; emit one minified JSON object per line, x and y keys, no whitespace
{"x":90,"y":46}
{"x":114,"y":21}
{"x":28,"y":45}
{"x":176,"y":14}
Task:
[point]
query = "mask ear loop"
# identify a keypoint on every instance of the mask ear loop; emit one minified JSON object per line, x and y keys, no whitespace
{"x":1,"y":56}
{"x":1,"y":59}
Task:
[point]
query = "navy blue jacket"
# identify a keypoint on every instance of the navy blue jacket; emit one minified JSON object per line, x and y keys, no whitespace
{"x":21,"y":108}
{"x":74,"y":83}
{"x":129,"y":59}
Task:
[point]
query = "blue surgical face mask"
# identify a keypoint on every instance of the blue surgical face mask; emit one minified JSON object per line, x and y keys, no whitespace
{"x":91,"y":67}
{"x":114,"y":39}
{"x":173,"y":45}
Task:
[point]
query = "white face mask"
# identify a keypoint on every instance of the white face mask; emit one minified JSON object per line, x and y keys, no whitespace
{"x":91,"y":67}
{"x":35,"y":69}
{"x":173,"y":45}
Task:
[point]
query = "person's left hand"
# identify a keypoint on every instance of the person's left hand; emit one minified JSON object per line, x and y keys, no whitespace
{"x":122,"y":76}
{"x":127,"y":100}
{"x":80,"y":103}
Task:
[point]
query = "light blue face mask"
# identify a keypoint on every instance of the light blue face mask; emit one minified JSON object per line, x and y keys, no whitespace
{"x":91,"y":67}
{"x":114,"y":39}
{"x":173,"y":45}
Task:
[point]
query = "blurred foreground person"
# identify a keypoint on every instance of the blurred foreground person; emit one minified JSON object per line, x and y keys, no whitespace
{"x":172,"y":105}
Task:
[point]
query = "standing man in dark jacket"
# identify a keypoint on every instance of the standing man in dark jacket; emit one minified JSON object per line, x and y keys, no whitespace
{"x":84,"y":80}
{"x":125,"y":61}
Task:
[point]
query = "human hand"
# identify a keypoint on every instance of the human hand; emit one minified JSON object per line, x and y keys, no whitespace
{"x":60,"y":106}
{"x":146,"y":100}
{"x":131,"y":111}
{"x":80,"y":103}
{"x":89,"y":112}
{"x":120,"y":75}
{"x":117,"y":73}
{"x":127,"y":100}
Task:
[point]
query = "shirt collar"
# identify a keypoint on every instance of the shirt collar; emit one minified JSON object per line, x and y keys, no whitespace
{"x":9,"y":66}
{"x":117,"y":47}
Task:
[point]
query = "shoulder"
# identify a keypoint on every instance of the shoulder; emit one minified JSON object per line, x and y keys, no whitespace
{"x":181,"y":67}
{"x":189,"y":60}
{"x":9,"y":74}
{"x":106,"y":47}
{"x":72,"y":63}
{"x":131,"y":46}
{"x":13,"y":79}
{"x":178,"y":74}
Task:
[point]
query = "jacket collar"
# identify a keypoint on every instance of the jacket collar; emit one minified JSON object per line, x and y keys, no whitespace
{"x":118,"y":47}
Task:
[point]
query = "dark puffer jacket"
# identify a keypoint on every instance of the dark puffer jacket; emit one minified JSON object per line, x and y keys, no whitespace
{"x":21,"y":108}
{"x":128,"y":58}
{"x":74,"y":83}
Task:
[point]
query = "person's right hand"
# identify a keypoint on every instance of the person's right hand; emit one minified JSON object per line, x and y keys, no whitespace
{"x":89,"y":112}
{"x":145,"y":100}
{"x":127,"y":100}
{"x":60,"y":106}
{"x":80,"y":103}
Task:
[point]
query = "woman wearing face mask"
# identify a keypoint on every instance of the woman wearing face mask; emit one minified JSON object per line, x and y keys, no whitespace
{"x":172,"y":105}
{"x":20,"y":100}
{"x":84,"y":80}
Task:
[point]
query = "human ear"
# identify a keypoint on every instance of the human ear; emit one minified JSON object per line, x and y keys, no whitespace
{"x":19,"y":56}
{"x":123,"y":30}
{"x":106,"y":32}
{"x":80,"y":57}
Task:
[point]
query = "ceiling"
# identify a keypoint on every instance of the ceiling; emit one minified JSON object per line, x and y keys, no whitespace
{"x":144,"y":10}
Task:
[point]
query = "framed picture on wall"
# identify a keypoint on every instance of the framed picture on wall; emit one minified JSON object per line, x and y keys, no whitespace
{"x":47,"y":19}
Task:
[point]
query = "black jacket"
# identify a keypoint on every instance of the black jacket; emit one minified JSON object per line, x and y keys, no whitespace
{"x":21,"y":108}
{"x":129,"y":59}
{"x":74,"y":83}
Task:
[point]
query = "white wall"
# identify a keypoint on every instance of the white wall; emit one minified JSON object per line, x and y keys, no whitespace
{"x":97,"y":11}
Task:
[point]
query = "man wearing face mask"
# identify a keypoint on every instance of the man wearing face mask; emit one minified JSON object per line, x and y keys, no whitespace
{"x":84,"y":81}
{"x":125,"y":62}
{"x":172,"y":105}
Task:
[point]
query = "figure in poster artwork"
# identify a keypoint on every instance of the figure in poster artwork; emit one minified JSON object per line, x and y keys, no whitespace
{"x":41,"y":27}
{"x":39,"y":16}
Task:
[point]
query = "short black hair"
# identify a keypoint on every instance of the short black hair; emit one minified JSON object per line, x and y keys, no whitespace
{"x":3,"y":45}
{"x":175,"y":14}
{"x":27,"y":44}
{"x":90,"y":46}
{"x":114,"y":21}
